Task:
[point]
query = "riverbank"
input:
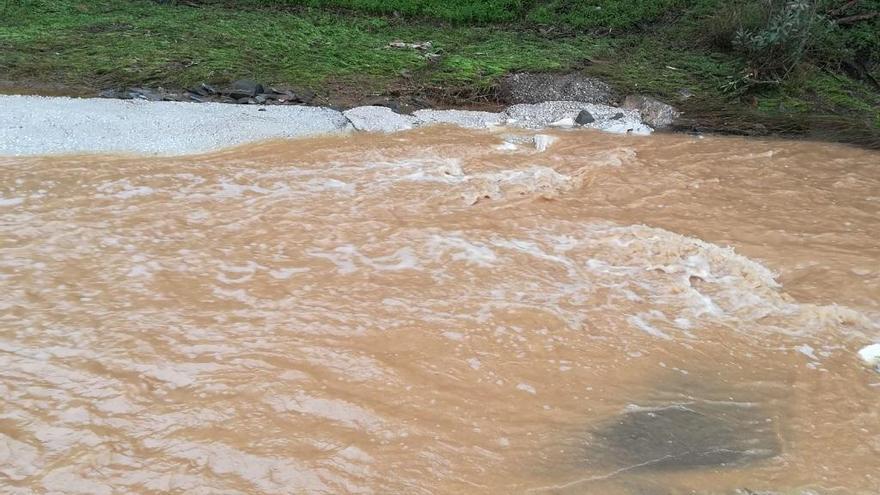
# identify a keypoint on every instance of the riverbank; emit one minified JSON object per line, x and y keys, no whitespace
{"x":36,"y":125}
{"x":450,"y":57}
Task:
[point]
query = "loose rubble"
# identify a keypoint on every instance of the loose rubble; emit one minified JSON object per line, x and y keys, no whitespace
{"x":605,"y":118}
{"x":535,"y":88}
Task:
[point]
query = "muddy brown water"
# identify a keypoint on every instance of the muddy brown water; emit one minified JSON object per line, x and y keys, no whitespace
{"x":440,"y":312}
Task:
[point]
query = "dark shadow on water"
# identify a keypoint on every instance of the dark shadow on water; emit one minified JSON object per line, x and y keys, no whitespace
{"x":685,"y":435}
{"x":675,"y":426}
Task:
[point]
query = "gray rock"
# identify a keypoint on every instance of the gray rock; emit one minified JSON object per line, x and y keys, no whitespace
{"x":144,"y":94}
{"x":655,"y":113}
{"x":203,"y":90}
{"x":585,"y":117}
{"x":306,"y":96}
{"x":382,"y":101}
{"x":685,"y":436}
{"x":245,"y":88}
{"x":535,"y":88}
{"x":617,"y":116}
{"x":260,"y":99}
{"x":110,"y":93}
{"x":379,"y":119}
{"x":461,"y":118}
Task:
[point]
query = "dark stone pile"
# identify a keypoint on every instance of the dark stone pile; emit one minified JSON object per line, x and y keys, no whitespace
{"x":245,"y":92}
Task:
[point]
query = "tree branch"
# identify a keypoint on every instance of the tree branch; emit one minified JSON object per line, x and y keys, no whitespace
{"x":856,"y":18}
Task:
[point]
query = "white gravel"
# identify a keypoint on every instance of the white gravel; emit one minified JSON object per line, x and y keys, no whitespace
{"x":468,"y":119}
{"x":35,"y":125}
{"x":563,"y":113}
{"x":379,"y":119}
{"x":31,"y":125}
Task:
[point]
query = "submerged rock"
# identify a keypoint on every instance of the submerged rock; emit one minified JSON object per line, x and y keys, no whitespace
{"x":685,"y":436}
{"x":655,"y":113}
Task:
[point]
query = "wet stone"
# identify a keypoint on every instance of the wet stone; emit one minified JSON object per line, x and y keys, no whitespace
{"x":685,"y":436}
{"x":585,"y":117}
{"x":245,"y":89}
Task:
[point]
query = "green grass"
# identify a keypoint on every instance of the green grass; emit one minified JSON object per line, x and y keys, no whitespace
{"x":142,"y":43}
{"x":656,"y":47}
{"x":571,"y":14}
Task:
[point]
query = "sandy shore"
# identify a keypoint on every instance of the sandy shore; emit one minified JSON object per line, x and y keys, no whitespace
{"x":36,"y":125}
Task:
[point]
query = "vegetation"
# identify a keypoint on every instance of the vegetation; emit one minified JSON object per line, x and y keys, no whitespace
{"x":751,"y":65}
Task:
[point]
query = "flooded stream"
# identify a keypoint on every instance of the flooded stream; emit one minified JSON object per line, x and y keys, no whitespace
{"x":443,"y":311}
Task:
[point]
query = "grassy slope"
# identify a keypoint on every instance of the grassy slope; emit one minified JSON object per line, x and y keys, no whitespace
{"x":639,"y":45}
{"x":140,"y":43}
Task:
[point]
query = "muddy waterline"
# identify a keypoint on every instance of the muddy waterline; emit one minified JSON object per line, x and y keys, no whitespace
{"x":442,"y":312}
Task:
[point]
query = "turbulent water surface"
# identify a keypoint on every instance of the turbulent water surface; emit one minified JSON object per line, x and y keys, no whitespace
{"x":442,"y":311}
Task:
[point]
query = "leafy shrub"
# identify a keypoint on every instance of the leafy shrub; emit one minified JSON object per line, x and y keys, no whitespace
{"x":776,"y":48}
{"x":719,"y":28}
{"x":601,"y":15}
{"x":776,"y":37}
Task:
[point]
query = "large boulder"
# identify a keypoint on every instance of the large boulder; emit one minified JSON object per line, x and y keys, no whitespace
{"x":655,"y":113}
{"x":245,"y":88}
{"x":534,"y":88}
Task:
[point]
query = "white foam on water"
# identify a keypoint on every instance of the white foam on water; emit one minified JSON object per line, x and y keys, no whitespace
{"x":339,"y":411}
{"x":543,"y":141}
{"x":807,"y":350}
{"x":456,"y":336}
{"x":870,"y":355}
{"x":644,"y":326}
{"x":329,"y":184}
{"x":461,"y":250}
{"x":540,"y":181}
{"x":525,"y":387}
{"x":286,"y":273}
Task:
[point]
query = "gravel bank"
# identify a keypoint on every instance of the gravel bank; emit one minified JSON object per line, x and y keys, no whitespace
{"x":32,"y":125}
{"x":36,"y":125}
